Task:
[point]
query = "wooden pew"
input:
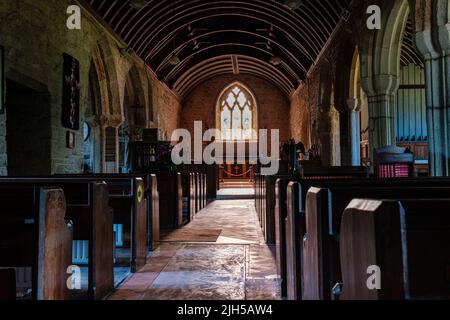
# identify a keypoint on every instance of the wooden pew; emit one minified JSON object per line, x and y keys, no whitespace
{"x":198,"y":204}
{"x":205,"y":190}
{"x":89,"y":213}
{"x":34,"y":233}
{"x":278,"y":218}
{"x":408,"y":241}
{"x":295,"y":229}
{"x":270,"y":203}
{"x":151,"y":196}
{"x":323,"y":212}
{"x":188,"y":196}
{"x":8,"y":288}
{"x":280,"y":213}
{"x":127,"y":198}
{"x":327,"y":173}
{"x":170,"y":190}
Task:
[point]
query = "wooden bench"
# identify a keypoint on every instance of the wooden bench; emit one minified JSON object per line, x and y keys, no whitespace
{"x":278,"y":218}
{"x":151,"y":196}
{"x":408,"y":241}
{"x":320,"y":215}
{"x":170,"y":190}
{"x":8,"y":288}
{"x":280,"y":213}
{"x":34,"y":233}
{"x":327,"y":173}
{"x":88,"y":210}
{"x":127,"y":198}
{"x":189,"y":195}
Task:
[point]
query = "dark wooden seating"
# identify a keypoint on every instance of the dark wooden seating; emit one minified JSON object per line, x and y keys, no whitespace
{"x":151,"y":196}
{"x":88,"y":211}
{"x":273,"y":211}
{"x":408,"y":241}
{"x":189,"y":194}
{"x":34,"y":233}
{"x":8,"y":288}
{"x":323,"y":212}
{"x":127,"y":198}
{"x":280,"y":230}
{"x":326,"y":173}
{"x":170,"y":190}
{"x":295,"y":229}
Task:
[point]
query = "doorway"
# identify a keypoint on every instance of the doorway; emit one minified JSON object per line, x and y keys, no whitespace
{"x":28,"y":130}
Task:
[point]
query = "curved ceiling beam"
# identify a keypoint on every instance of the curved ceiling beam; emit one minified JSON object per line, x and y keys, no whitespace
{"x":289,"y":34}
{"x":296,"y":36}
{"x":199,"y":38}
{"x":229,"y":46}
{"x":247,"y":65}
{"x":174,"y":12}
{"x":284,"y":51}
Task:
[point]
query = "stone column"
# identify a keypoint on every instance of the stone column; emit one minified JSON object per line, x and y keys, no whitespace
{"x":380,"y":90}
{"x":433,"y":41}
{"x":354,"y":105}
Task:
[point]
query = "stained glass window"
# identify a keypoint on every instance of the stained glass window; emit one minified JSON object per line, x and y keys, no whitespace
{"x":237,"y":114}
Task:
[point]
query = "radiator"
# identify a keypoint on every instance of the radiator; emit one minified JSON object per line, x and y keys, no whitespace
{"x":24,"y":278}
{"x":118,"y":230}
{"x":80,"y":252}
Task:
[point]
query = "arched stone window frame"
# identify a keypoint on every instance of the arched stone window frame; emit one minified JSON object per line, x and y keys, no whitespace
{"x":254,"y":110}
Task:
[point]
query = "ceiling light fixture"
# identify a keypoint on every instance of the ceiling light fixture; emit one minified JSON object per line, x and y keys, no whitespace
{"x":293,"y":4}
{"x":174,"y":60}
{"x":276,"y":61}
{"x":138,"y":4}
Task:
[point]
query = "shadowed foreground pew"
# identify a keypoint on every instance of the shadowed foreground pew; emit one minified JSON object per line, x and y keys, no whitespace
{"x":34,"y":233}
{"x":151,"y":195}
{"x":319,"y":213}
{"x":276,"y":210}
{"x":280,"y":230}
{"x":87,"y":209}
{"x":8,"y":285}
{"x":408,"y":241}
{"x":170,"y":188}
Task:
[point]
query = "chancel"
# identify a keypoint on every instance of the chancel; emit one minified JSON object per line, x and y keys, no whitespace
{"x":224,"y":150}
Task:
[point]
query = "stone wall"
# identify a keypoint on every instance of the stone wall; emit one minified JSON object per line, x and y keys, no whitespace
{"x":319,"y":112}
{"x":273,"y":105}
{"x":35,"y":36}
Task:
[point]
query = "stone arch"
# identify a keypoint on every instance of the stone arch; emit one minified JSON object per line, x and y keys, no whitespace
{"x":111,"y":72}
{"x":354,"y":85}
{"x":135,"y":114}
{"x":380,"y":52}
{"x":103,"y":110}
{"x":357,"y":108}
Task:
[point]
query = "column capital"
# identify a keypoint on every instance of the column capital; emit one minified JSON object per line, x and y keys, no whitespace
{"x":354,"y":104}
{"x":380,"y":85}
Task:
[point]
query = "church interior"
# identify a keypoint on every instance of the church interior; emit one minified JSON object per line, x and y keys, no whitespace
{"x":224,"y":150}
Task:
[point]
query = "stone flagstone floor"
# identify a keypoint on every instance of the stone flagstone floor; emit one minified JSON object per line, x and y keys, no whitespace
{"x":239,"y":266}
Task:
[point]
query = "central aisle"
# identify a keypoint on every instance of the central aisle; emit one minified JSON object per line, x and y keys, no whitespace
{"x":237,"y":266}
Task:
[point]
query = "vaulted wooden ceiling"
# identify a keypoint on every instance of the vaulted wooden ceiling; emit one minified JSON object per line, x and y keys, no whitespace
{"x":264,"y":38}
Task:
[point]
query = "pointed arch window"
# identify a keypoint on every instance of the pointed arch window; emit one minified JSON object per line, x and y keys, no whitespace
{"x":237,"y":114}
